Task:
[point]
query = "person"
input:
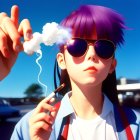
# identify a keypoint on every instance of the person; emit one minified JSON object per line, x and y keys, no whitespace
{"x":10,"y":34}
{"x":90,"y":108}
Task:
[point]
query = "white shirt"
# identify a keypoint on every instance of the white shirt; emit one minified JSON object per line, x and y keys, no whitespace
{"x":104,"y":130}
{"x":101,"y":128}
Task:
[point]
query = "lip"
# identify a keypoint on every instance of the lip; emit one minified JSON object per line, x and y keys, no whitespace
{"x":91,"y":68}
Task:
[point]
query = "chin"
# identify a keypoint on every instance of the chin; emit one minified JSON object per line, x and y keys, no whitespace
{"x":89,"y":82}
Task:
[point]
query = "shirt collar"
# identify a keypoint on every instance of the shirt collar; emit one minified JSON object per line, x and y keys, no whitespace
{"x":67,"y":109}
{"x":107,"y":107}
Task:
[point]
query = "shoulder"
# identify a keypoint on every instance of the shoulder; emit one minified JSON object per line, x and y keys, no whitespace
{"x":133,"y":117}
{"x":127,"y":120}
{"x":133,"y":113}
{"x":21,"y":130}
{"x":137,"y":113}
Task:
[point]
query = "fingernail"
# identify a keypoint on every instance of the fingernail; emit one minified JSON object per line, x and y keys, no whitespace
{"x":29,"y":35}
{"x":17,"y":48}
{"x":54,"y":109}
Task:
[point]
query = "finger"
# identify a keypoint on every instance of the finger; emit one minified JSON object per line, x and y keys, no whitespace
{"x":51,"y":101}
{"x":41,"y":125}
{"x":42,"y":106}
{"x":53,"y":113}
{"x":15,"y":15}
{"x":42,"y":117}
{"x":25,"y":29}
{"x":3,"y":44}
{"x":48,"y":100}
{"x":2,"y":16}
{"x":10,"y":29}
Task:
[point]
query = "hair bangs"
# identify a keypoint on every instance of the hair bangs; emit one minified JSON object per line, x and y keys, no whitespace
{"x":81,"y":22}
{"x":109,"y":24}
{"x":91,"y":19}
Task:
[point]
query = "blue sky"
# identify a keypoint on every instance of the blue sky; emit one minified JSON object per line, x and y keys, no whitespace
{"x":39,"y":12}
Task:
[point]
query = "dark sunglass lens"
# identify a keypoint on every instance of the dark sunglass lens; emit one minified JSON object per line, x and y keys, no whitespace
{"x":77,"y":47}
{"x":104,"y":48}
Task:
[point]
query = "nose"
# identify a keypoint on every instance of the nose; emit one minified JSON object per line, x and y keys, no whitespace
{"x":91,"y":54}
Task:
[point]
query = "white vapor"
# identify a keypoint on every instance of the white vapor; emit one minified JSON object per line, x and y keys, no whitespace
{"x":52,"y":33}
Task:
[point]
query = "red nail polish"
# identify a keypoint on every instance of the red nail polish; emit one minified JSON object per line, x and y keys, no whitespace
{"x":29,"y":35}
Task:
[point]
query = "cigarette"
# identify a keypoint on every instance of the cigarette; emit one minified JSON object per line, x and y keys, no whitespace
{"x":54,"y":92}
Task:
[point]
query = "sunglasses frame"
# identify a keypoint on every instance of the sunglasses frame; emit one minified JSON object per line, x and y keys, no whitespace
{"x":88,"y":42}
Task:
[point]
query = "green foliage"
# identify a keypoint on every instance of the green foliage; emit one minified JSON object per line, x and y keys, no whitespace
{"x":34,"y":90}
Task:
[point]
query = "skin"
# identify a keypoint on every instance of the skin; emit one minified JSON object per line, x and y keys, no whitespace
{"x":10,"y":46}
{"x":10,"y":34}
{"x":86,"y":84}
{"x":40,"y":123}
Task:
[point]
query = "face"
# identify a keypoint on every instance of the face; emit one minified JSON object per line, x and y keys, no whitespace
{"x":88,"y":69}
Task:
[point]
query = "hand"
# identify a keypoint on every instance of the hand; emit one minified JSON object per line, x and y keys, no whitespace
{"x":10,"y":34}
{"x":40,"y":123}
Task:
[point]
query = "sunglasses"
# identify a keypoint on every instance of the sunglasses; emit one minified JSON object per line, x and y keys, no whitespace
{"x":78,"y":47}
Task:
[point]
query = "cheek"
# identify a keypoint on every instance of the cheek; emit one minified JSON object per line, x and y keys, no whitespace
{"x":71,"y":62}
{"x":73,"y":66}
{"x":104,"y":69}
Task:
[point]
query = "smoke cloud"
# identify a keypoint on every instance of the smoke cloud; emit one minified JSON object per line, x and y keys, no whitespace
{"x":52,"y":33}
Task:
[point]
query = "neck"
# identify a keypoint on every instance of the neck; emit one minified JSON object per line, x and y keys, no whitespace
{"x":87,"y":102}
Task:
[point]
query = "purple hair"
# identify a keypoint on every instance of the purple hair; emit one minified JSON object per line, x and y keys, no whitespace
{"x":85,"y":22}
{"x":88,"y":18}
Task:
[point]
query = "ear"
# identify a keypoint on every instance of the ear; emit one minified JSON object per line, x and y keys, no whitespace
{"x":61,"y":61}
{"x":113,"y":65}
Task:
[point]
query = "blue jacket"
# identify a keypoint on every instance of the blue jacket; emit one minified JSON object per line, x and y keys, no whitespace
{"x":21,"y":131}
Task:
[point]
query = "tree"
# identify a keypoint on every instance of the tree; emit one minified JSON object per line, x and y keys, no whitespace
{"x":34,"y":90}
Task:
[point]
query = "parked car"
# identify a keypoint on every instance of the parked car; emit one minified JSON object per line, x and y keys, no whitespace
{"x":7,"y":111}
